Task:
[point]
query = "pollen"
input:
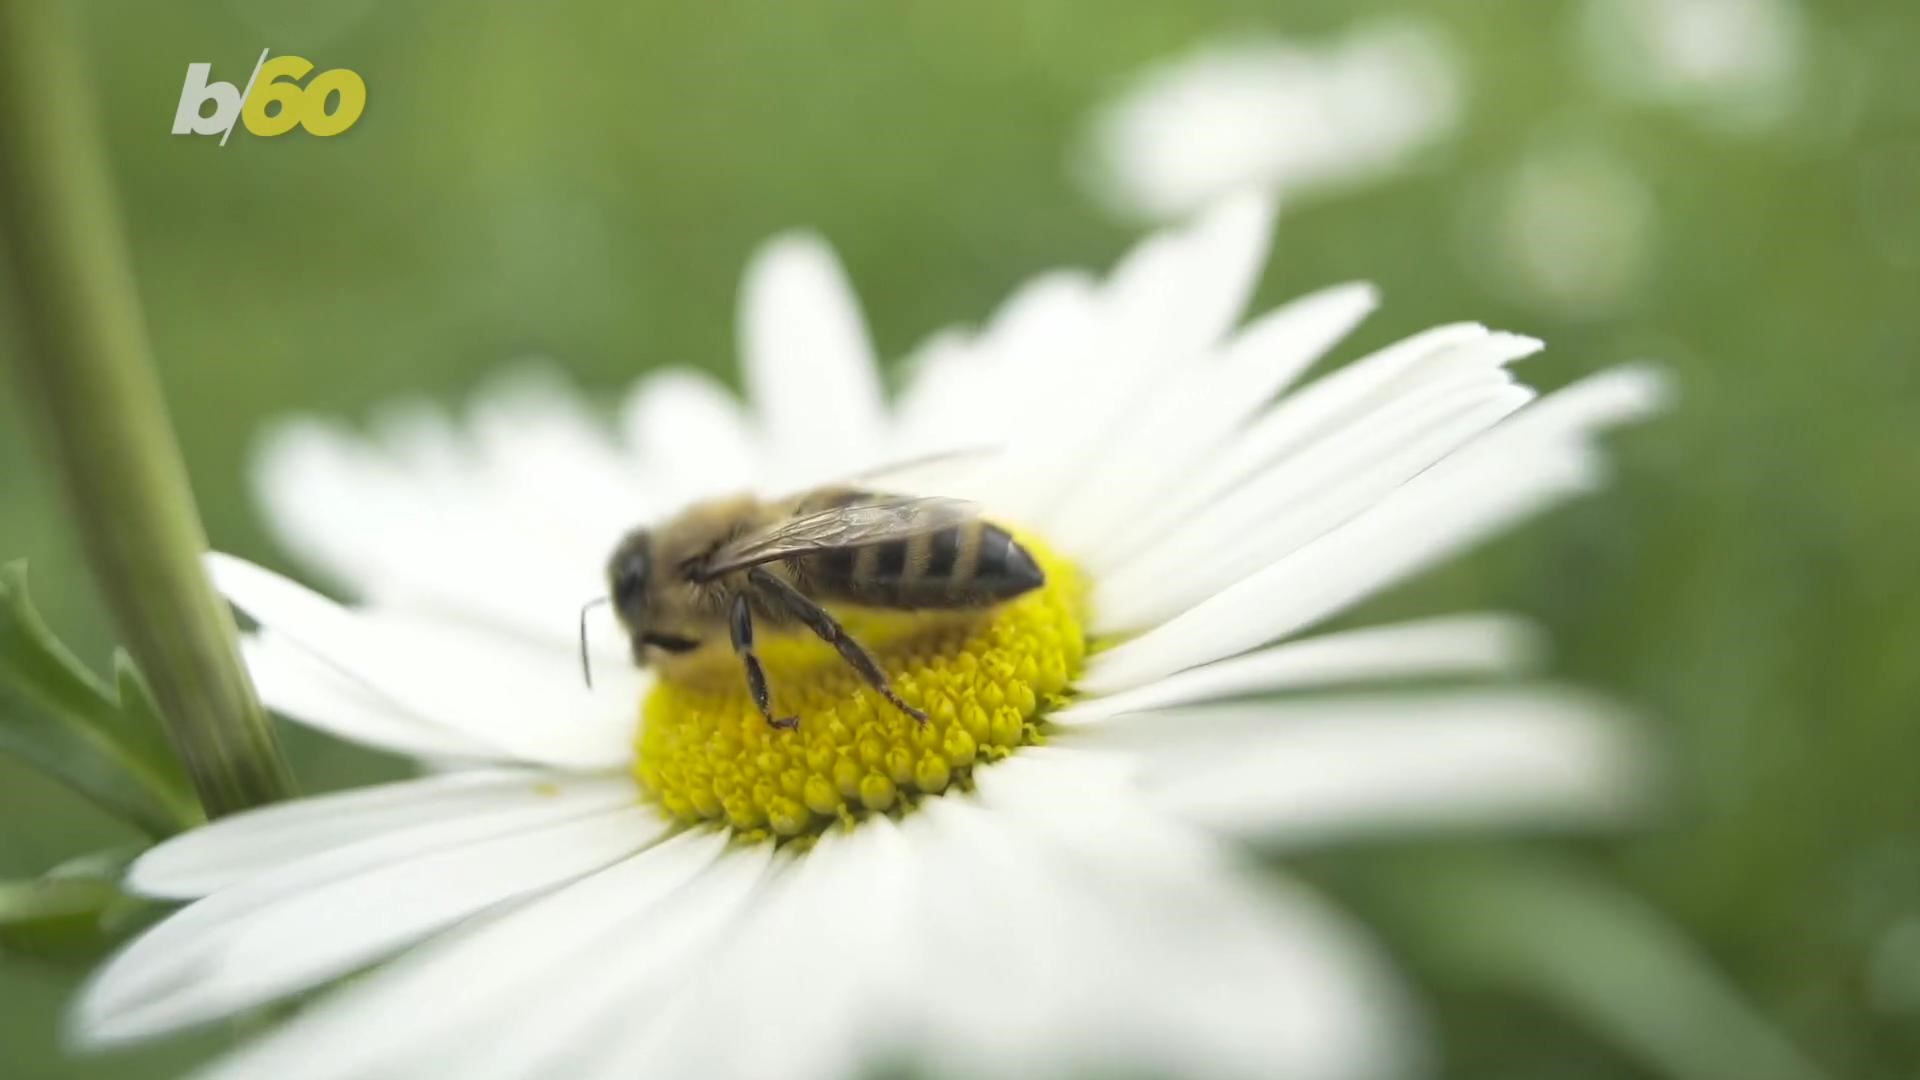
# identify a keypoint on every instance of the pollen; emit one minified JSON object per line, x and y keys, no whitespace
{"x":985,"y":680}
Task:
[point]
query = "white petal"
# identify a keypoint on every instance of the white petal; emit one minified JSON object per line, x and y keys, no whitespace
{"x":330,"y":932}
{"x":233,"y":848}
{"x":594,"y":1009}
{"x":1046,"y":340}
{"x":553,"y":474}
{"x":1417,"y":528}
{"x":1185,"y":289}
{"x":1276,"y":348}
{"x":1169,"y":303}
{"x":1041,"y":335}
{"x":692,"y":437}
{"x":318,"y":487}
{"x":483,"y":980}
{"x":1523,"y":466}
{"x":1295,"y":420}
{"x":520,"y":697}
{"x":1305,"y":772}
{"x":806,"y":961}
{"x":430,"y":513}
{"x":323,"y":916}
{"x":1577,"y":413}
{"x":1331,"y":403}
{"x":1184,"y":424}
{"x":442,"y":491}
{"x":1301,"y":498}
{"x":808,"y":363}
{"x":1046,"y":948}
{"x":295,"y":684}
{"x":953,"y":397}
{"x":1516,"y":469}
{"x":1449,"y":645}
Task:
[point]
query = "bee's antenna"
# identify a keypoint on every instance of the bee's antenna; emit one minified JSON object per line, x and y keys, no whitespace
{"x":586,"y":665}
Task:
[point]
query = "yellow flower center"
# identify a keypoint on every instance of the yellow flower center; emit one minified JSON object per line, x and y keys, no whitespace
{"x":985,"y":680}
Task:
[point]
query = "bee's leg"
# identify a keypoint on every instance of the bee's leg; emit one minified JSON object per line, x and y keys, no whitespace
{"x":830,"y":631}
{"x":740,"y":622}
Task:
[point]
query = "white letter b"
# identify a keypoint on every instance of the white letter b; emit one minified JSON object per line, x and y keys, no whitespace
{"x":195,"y":93}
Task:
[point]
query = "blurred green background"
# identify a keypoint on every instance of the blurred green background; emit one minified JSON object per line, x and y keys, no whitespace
{"x":585,"y":182}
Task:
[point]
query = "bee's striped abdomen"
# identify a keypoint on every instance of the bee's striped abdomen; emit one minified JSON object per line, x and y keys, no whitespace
{"x":972,"y":564}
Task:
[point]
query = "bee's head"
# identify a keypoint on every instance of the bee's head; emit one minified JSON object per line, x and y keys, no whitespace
{"x":630,"y":585}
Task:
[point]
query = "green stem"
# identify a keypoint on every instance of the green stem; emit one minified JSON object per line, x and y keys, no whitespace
{"x":87,"y":370}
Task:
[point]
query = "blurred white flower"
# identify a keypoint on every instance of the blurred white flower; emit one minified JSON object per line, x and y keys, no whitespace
{"x":1733,"y":64}
{"x":1043,"y":908}
{"x":1572,"y":228}
{"x":1893,"y":969}
{"x":1280,"y":116}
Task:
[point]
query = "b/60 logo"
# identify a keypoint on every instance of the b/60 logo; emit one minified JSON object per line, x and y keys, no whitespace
{"x":273,"y":102}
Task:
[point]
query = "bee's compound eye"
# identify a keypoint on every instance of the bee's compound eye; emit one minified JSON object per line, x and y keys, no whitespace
{"x":632,"y":580}
{"x":631,"y":565}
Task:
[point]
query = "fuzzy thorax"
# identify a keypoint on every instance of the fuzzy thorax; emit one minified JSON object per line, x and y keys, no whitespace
{"x":985,"y":680}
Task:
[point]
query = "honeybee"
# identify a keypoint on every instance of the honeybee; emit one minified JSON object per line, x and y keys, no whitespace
{"x":734,"y":564}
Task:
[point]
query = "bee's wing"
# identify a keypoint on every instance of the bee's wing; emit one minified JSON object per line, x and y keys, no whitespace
{"x":871,"y":521}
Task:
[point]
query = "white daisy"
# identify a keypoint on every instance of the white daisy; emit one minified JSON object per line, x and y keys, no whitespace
{"x":1738,"y":65}
{"x":1272,"y":114}
{"x":959,"y":895}
{"x":1571,"y":227}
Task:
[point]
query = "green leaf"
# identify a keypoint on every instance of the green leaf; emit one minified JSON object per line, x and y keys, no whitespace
{"x":74,"y":911}
{"x":1557,"y":932}
{"x":103,"y":742}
